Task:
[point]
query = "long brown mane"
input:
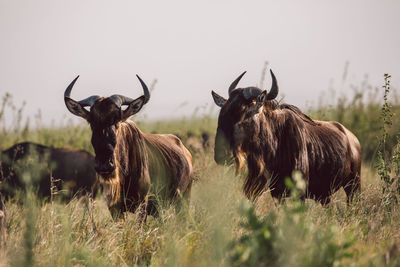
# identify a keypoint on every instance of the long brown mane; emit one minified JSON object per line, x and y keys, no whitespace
{"x":298,"y":112}
{"x":285,"y":139}
{"x":145,"y":161}
{"x":276,"y":139}
{"x":132,"y":166}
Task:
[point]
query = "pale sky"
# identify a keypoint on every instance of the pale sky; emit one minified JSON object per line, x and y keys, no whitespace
{"x":191,"y":48}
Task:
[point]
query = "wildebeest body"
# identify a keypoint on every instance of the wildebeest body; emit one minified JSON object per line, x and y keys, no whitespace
{"x":70,"y":169}
{"x":277,"y":139}
{"x":326,"y":153}
{"x":133,"y":167}
{"x":147,"y":163}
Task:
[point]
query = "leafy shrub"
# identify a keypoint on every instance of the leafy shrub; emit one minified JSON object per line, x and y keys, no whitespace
{"x":388,"y":161}
{"x":288,"y":238}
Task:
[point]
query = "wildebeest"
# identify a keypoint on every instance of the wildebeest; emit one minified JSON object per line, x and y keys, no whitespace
{"x":196,"y":144}
{"x":51,"y":170}
{"x":130,"y":163}
{"x":277,"y":139}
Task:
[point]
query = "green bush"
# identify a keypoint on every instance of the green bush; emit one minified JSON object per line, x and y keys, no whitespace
{"x":289,"y":238}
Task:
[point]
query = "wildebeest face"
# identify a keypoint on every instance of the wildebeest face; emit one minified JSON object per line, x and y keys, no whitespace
{"x":239,"y":110}
{"x":230,"y":132}
{"x":104,"y":116}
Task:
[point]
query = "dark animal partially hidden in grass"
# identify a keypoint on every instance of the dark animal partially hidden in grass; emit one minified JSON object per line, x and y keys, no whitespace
{"x":67,"y":172}
{"x":131,"y":164}
{"x":277,"y":139}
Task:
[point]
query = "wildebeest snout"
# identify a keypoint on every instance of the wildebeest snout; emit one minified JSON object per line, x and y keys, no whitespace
{"x":106,"y":166}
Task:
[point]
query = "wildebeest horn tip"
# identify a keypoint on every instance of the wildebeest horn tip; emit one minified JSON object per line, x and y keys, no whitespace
{"x":67,"y":92}
{"x":273,"y":92}
{"x":145,"y":90}
{"x":232,"y":87}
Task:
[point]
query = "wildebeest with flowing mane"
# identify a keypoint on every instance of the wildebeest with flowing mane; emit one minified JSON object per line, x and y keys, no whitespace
{"x":277,"y":139}
{"x":130,"y":163}
{"x":53,"y":170}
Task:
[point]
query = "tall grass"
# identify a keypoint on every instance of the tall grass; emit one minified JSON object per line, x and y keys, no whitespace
{"x":361,"y":113}
{"x":220,"y":227}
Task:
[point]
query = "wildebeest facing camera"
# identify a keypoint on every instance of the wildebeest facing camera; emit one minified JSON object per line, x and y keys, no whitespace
{"x":135,"y":169}
{"x":264,"y":159}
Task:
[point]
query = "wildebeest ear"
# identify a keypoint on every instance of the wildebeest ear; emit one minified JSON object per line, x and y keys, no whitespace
{"x":133,"y":107}
{"x":219,"y":100}
{"x":262,"y":97}
{"x":76,"y":108}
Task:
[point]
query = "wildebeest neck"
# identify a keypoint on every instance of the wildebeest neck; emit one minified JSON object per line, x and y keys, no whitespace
{"x":131,"y":159}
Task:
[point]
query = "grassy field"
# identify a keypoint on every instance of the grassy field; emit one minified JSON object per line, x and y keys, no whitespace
{"x":221,"y":227}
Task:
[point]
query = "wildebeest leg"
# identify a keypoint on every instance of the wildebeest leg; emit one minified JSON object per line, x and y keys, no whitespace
{"x":352,"y":188}
{"x":151,"y":205}
{"x":183,"y":202}
{"x":141,"y":212}
{"x":116,"y":212}
{"x":325,"y":200}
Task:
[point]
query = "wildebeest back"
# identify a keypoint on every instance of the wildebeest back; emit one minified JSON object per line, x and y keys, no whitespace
{"x":65,"y":169}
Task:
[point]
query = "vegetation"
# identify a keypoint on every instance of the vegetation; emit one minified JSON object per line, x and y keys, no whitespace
{"x":221,"y":227}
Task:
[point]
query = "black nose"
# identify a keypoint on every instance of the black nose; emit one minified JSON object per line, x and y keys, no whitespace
{"x":222,"y":160}
{"x":222,"y":156}
{"x":104,"y":167}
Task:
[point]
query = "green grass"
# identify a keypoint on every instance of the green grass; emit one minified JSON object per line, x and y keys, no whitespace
{"x":83,"y":232}
{"x":221,"y":228}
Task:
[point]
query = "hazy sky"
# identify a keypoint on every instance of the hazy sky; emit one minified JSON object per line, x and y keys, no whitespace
{"x":191,"y":48}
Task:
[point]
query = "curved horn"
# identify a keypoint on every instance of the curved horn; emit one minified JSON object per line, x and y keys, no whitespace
{"x":273,"y":93}
{"x":120,"y":100}
{"x":67,"y":92}
{"x":235,"y":83}
{"x":88,"y":102}
{"x":85,"y":102}
{"x":145,"y":90}
{"x":76,"y":108}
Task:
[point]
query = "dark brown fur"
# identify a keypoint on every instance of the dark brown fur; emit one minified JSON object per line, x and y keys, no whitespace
{"x":71,"y":170}
{"x":134,"y":168}
{"x":146,"y":163}
{"x":275,"y":140}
